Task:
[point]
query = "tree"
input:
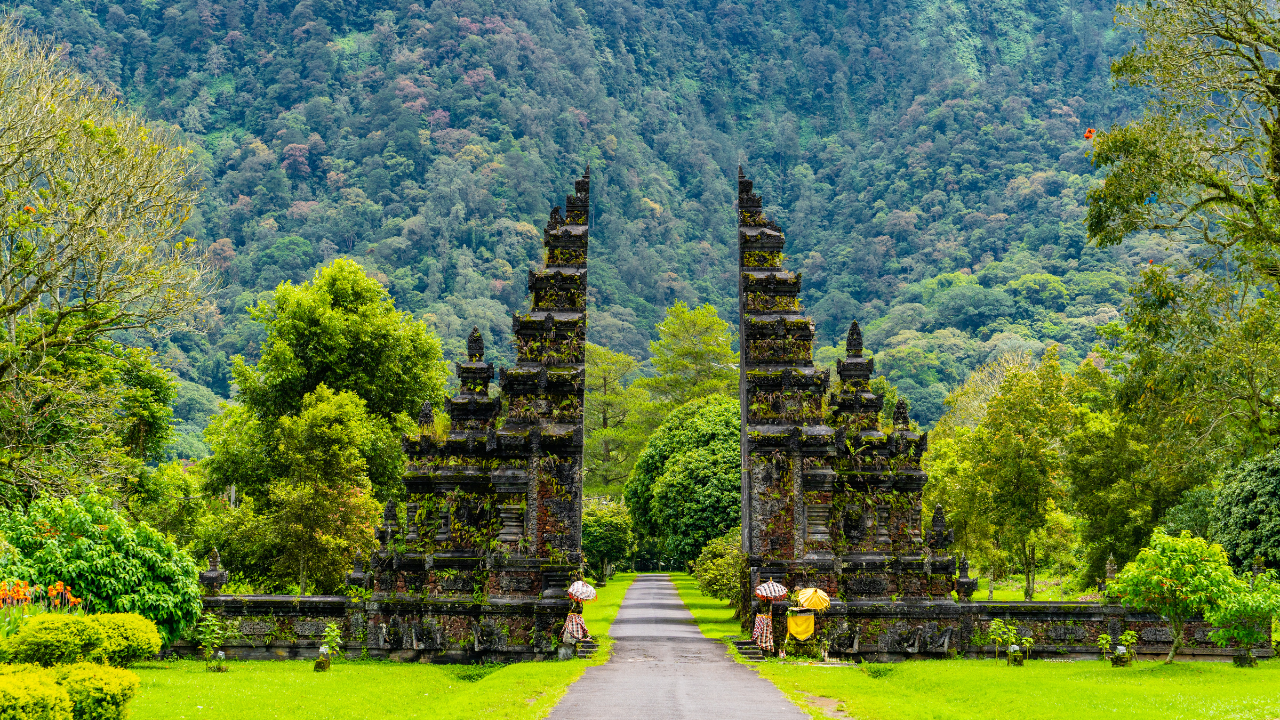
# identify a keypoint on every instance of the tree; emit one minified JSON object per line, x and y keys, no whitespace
{"x":606,"y":535}
{"x":113,"y":565}
{"x":322,"y":510}
{"x":342,"y":331}
{"x":92,"y":416}
{"x":1002,"y":475}
{"x":1205,"y":157}
{"x":1111,"y":484}
{"x":1246,"y":513}
{"x":1176,"y":577}
{"x":678,"y":492}
{"x":316,"y":508}
{"x":94,"y":203}
{"x":693,"y":355}
{"x":617,"y":416}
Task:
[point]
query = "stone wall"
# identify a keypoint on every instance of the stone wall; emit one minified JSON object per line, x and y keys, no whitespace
{"x":895,"y":631}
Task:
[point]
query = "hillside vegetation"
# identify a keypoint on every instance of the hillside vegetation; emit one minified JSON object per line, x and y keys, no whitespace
{"x":925,"y":159}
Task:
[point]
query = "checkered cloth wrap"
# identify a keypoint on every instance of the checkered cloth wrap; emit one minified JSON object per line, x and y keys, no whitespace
{"x":574,"y":629}
{"x":763,"y":632}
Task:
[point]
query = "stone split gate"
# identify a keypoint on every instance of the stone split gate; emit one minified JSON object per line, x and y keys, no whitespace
{"x":475,"y":565}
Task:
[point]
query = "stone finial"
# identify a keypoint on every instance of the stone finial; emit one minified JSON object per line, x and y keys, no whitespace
{"x":555,"y":220}
{"x":853,"y":344}
{"x":427,"y":415}
{"x":965,"y":586}
{"x":901,"y":420}
{"x":475,"y":345}
{"x":215,"y":577}
{"x":1111,"y":567}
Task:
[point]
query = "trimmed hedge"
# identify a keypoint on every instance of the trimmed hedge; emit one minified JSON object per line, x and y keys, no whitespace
{"x":97,"y":692}
{"x":28,"y":693}
{"x":56,"y":639}
{"x":128,"y":638}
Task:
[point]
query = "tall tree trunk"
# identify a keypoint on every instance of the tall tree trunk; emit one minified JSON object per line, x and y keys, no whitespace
{"x":1028,"y":570}
{"x":1175,"y":626}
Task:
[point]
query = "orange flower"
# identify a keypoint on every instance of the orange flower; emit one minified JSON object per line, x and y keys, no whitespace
{"x":1088,"y":134}
{"x":28,"y":208}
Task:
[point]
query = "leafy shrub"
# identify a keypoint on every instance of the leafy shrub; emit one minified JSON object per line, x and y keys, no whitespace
{"x":32,"y":694}
{"x":720,"y":568}
{"x":55,"y":639}
{"x":113,"y":565}
{"x":97,"y":692}
{"x":128,"y":638}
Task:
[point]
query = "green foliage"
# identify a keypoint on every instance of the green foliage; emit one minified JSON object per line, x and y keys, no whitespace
{"x":721,"y":569}
{"x":1244,"y":615}
{"x":97,"y":692}
{"x":694,"y":356}
{"x":1176,"y":577}
{"x":127,"y":638}
{"x":333,"y":640}
{"x":1002,"y":474}
{"x":1104,"y":645}
{"x":1246,"y":514}
{"x":113,"y":565}
{"x":213,"y":633}
{"x":685,"y":487}
{"x":606,"y":535}
{"x":32,"y":694}
{"x":339,"y":331}
{"x":1111,"y":483}
{"x":617,"y":416}
{"x":57,"y":639}
{"x":95,"y":198}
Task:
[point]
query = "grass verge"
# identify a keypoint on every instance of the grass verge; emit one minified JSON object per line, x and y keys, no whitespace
{"x":714,"y":617}
{"x":369,"y":690}
{"x":990,"y":690}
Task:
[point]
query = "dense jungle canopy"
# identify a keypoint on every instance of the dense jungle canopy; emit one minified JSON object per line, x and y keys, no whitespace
{"x":926,"y":160}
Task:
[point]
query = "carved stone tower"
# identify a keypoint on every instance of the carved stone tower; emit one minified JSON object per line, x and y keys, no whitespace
{"x":492,"y":532}
{"x":829,"y":500}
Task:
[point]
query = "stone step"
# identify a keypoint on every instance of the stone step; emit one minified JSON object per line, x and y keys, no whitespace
{"x":586,"y":649}
{"x":749,"y":651}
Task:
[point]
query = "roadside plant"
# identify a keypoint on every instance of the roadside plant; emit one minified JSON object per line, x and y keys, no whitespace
{"x":1176,"y":577}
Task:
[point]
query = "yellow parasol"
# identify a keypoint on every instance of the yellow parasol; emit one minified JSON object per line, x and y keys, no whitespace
{"x":814,"y":599}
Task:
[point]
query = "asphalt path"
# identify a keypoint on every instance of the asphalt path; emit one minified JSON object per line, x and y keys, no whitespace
{"x":662,"y":667}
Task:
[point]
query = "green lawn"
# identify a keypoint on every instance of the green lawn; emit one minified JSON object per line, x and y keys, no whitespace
{"x":368,"y":690}
{"x":989,"y":690}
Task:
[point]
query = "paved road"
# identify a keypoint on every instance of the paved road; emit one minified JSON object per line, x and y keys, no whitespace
{"x":663,"y":668}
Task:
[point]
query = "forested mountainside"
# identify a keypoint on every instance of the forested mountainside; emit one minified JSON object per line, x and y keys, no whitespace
{"x":925,"y":159}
